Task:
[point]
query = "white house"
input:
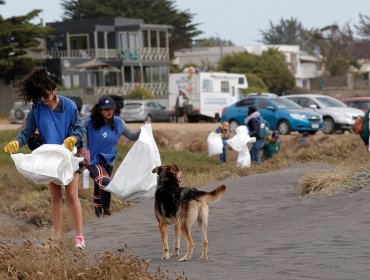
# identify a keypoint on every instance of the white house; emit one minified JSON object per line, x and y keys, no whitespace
{"x":302,"y":66}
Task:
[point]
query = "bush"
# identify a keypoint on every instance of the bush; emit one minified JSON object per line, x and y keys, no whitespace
{"x":139,"y":93}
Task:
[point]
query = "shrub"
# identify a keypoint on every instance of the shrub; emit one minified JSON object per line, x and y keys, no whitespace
{"x":140,"y":93}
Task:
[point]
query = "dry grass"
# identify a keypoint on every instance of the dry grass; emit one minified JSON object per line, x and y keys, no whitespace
{"x":31,"y":203}
{"x":59,"y":260}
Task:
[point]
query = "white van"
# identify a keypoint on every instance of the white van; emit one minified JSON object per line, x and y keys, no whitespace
{"x":208,"y":92}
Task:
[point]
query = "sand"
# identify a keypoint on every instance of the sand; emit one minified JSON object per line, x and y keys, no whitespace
{"x":260,"y":229}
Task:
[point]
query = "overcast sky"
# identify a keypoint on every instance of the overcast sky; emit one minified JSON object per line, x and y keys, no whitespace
{"x":237,"y":20}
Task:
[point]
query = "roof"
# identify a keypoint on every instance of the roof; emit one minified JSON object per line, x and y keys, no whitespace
{"x":356,"y":99}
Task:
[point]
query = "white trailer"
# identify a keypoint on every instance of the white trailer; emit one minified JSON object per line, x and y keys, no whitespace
{"x":208,"y":92}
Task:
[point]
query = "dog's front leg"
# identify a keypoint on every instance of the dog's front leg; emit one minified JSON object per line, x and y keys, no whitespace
{"x":176,"y":242}
{"x":164,"y":235}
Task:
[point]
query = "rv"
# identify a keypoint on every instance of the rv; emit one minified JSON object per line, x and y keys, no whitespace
{"x":208,"y":92}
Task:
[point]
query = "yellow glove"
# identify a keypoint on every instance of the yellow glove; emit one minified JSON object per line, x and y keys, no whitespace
{"x":12,"y":147}
{"x":70,"y":142}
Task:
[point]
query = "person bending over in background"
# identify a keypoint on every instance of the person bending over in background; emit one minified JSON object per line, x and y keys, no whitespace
{"x":272,"y":146}
{"x":57,"y":120}
{"x":253,"y":121}
{"x":103,"y":132}
{"x":224,"y":131}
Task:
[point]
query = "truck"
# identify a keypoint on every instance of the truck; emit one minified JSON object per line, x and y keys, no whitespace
{"x":208,"y":92}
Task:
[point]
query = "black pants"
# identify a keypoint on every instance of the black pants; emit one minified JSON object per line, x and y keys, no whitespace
{"x":101,"y":174}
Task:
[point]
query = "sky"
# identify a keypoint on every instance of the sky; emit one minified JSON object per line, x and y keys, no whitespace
{"x":240,"y":21}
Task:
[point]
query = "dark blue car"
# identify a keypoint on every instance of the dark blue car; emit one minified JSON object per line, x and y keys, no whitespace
{"x":281,"y":114}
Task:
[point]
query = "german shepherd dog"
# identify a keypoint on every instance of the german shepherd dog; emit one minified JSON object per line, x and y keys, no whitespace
{"x":181,"y":207}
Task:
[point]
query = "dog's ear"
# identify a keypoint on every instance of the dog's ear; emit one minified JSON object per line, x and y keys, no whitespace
{"x":157,"y":169}
{"x":174,"y":169}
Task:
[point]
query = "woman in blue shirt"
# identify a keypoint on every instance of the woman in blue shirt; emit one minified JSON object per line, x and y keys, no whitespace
{"x":103,"y":132}
{"x":57,"y":120}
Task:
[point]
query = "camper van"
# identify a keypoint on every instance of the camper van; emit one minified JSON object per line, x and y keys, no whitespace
{"x":208,"y":92}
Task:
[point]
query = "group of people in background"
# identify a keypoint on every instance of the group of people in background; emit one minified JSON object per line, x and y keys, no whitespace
{"x":263,"y":148}
{"x":57,"y":120}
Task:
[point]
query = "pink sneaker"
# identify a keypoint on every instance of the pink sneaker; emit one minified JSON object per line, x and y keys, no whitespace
{"x":80,"y":242}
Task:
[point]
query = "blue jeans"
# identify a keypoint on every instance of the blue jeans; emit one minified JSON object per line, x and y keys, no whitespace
{"x":223,"y":155}
{"x":256,"y":150}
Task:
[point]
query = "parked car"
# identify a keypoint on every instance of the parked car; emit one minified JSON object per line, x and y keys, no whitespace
{"x":281,"y":114}
{"x":362,"y":103}
{"x":144,"y":110}
{"x":85,"y":111}
{"x":336,"y":115}
{"x":18,"y":113}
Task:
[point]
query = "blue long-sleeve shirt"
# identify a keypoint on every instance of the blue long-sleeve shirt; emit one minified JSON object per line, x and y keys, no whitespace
{"x":76,"y":127}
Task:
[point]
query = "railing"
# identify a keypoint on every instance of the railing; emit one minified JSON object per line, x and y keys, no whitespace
{"x":157,"y":89}
{"x":128,"y":55}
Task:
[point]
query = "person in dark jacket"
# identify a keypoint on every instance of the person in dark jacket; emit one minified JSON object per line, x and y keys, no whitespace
{"x":253,"y":123}
{"x":365,"y":130}
{"x":104,"y":130}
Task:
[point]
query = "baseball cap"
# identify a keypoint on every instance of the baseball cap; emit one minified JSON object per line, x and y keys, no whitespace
{"x":106,"y":102}
{"x":275,"y":134}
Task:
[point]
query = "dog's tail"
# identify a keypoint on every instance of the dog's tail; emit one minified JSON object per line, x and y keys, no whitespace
{"x":214,"y":195}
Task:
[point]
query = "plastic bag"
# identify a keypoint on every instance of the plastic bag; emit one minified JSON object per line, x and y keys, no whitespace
{"x":239,"y":143}
{"x":215,"y":145}
{"x":134,"y":180}
{"x":48,"y":163}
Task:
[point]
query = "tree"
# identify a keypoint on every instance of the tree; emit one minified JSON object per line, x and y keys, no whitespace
{"x":212,"y":42}
{"x":336,"y":45}
{"x":362,"y":46}
{"x":288,"y":32}
{"x":151,"y":11}
{"x":270,"y":67}
{"x":18,"y":36}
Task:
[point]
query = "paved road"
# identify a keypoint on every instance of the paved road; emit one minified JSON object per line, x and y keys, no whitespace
{"x":258,"y":230}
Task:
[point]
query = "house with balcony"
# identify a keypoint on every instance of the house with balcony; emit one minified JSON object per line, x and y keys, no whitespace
{"x":110,"y":55}
{"x":303,"y":66}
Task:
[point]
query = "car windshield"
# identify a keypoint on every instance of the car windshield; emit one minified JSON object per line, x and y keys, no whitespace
{"x":283,"y":103}
{"x":330,"y":102}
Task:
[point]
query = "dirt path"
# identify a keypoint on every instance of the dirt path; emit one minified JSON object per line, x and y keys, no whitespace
{"x":258,"y":230}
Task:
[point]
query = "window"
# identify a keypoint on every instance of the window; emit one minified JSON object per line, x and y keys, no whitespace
{"x":66,"y":81}
{"x":241,"y":81}
{"x":225,"y":87}
{"x":261,"y":104}
{"x":245,"y":102}
{"x":76,"y":81}
{"x":79,"y":42}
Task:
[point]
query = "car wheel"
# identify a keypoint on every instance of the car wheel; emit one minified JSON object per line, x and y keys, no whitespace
{"x":328,"y":127}
{"x":148,"y":118}
{"x":233,"y":124}
{"x":18,"y":114}
{"x":284,"y":127}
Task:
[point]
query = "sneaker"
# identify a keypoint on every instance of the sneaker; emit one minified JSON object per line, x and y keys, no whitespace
{"x":80,"y":242}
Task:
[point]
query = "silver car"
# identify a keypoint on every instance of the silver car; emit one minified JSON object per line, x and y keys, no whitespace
{"x":144,"y":110}
{"x":337,"y":116}
{"x":18,"y":113}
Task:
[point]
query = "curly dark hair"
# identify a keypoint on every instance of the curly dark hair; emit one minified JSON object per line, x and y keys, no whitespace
{"x":36,"y":84}
{"x":98,"y":120}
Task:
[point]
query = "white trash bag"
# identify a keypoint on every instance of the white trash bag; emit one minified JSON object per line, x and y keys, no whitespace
{"x":48,"y":163}
{"x":239,"y":143}
{"x":215,"y":145}
{"x":134,"y":180}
